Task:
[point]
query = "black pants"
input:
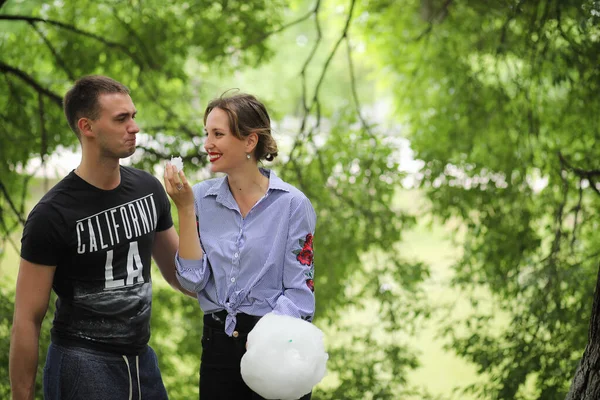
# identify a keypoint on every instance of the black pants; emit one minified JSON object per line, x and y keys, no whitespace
{"x":220,"y":377}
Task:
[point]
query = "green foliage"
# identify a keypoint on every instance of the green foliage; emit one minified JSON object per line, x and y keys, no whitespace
{"x":369,"y":354}
{"x":45,"y":46}
{"x":501,"y":103}
{"x":170,"y":55}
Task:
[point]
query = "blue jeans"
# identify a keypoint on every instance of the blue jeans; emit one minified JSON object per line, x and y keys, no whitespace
{"x":77,"y":373}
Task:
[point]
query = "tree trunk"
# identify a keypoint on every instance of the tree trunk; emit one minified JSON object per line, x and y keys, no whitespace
{"x":586,"y":383}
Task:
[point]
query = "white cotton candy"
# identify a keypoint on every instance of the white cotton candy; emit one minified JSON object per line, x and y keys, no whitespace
{"x":285,"y":358}
{"x":177,"y":162}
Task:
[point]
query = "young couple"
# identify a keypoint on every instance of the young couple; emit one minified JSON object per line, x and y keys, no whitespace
{"x":92,"y":236}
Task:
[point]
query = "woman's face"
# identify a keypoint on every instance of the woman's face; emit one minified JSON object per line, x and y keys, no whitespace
{"x":226,"y":152}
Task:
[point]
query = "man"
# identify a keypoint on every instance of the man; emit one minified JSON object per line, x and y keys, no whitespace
{"x":91,"y":239}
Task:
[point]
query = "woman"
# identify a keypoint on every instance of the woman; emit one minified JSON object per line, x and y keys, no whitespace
{"x":245,"y":243}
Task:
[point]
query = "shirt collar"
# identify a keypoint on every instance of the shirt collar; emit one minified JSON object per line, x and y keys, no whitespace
{"x":221,"y":188}
{"x":275,"y":182}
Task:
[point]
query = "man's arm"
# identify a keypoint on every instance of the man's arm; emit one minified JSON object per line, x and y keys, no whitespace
{"x":163,"y":251}
{"x":34,"y":284}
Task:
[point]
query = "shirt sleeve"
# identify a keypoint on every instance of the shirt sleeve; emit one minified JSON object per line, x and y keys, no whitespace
{"x":297,"y":299}
{"x":43,"y":239}
{"x":192,"y":274}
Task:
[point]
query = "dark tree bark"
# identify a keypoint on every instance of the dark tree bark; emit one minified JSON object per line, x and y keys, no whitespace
{"x":586,"y":383}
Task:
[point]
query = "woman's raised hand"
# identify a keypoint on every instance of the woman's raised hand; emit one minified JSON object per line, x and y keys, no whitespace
{"x":178,"y":188}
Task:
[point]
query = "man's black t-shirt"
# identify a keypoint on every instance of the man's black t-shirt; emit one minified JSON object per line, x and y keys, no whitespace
{"x":101,"y":244}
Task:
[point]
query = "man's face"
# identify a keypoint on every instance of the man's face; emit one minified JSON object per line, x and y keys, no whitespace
{"x":115,"y":128}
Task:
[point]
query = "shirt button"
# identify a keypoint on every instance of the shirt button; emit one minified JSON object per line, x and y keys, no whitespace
{"x":232,"y":279}
{"x":236,"y":255}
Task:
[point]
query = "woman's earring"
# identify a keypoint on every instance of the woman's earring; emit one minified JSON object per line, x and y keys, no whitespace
{"x":248,"y":156}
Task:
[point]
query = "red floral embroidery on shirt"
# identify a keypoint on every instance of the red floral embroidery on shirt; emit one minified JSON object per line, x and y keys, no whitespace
{"x":305,"y":256}
{"x":308,"y":243}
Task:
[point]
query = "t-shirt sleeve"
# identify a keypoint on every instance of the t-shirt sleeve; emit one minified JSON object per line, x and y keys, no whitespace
{"x":43,"y":238}
{"x":165,"y":221}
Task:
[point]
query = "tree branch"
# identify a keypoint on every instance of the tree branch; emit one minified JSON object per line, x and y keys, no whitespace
{"x":276,"y":31}
{"x":74,"y":29}
{"x":43,"y":139}
{"x":58,"y":59}
{"x":141,"y":63}
{"x":575,"y":46}
{"x":31,"y":82}
{"x":593,"y":186}
{"x":516,"y":9}
{"x":315,"y":99}
{"x":583,"y":173}
{"x":12,"y":205}
{"x":308,"y":61}
{"x":7,"y":232}
{"x":25,"y":191}
{"x":558,"y":220}
{"x":142,"y":44}
{"x":164,"y":156}
{"x":439,"y":16}
{"x":153,"y":94}
{"x":333,"y":51}
{"x":577,"y":210}
{"x":44,"y":135}
{"x":363,"y":122}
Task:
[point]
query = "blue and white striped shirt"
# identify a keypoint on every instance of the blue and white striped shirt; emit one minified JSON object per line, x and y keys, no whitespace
{"x":256,"y":264}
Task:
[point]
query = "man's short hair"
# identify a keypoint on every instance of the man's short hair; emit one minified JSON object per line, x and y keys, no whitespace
{"x":81,"y":101}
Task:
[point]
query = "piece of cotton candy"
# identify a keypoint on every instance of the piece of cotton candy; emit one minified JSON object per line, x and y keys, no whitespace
{"x":177,"y":162}
{"x":285,"y":359}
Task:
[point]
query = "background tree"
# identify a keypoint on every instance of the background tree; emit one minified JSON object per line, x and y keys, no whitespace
{"x":174,"y":56}
{"x":500,"y":101}
{"x":45,"y":46}
{"x":586,"y":383}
